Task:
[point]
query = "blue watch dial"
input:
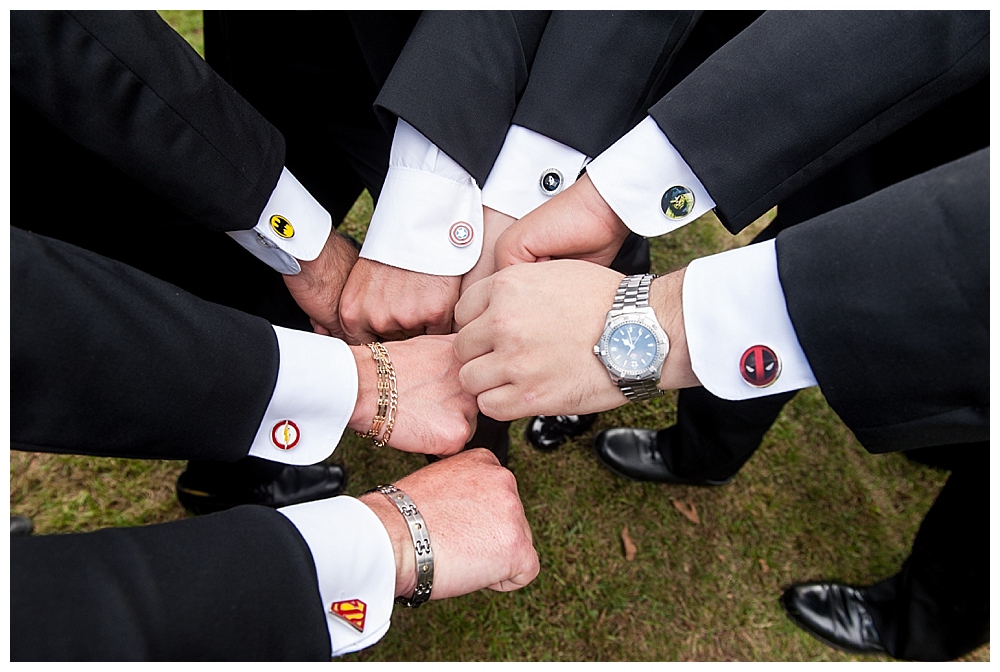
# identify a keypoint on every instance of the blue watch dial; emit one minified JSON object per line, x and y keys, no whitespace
{"x":632,"y":347}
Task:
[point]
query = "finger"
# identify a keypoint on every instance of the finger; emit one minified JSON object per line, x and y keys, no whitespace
{"x":485,"y":373}
{"x":474,"y":302}
{"x":319,"y":328}
{"x":525,"y":576}
{"x":441,"y":327}
{"x":503,"y":403}
{"x":474,"y":340}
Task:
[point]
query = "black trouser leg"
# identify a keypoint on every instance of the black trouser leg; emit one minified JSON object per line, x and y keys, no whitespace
{"x":713,"y":437}
{"x":938,"y":606}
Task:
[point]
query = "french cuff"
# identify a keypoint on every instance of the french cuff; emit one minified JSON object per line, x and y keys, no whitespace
{"x":530,"y":169}
{"x":312,"y":402}
{"x":740,"y":338}
{"x":355,"y":568}
{"x":292,"y":227}
{"x":644,"y":179}
{"x":426,"y":223}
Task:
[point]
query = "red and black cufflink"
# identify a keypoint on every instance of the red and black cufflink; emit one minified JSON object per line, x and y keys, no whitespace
{"x":759,"y":366}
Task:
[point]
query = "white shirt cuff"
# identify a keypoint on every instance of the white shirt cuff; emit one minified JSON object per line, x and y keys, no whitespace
{"x":292,"y":226}
{"x":429,"y":217}
{"x":530,"y":169}
{"x":354,"y":565}
{"x":732,"y":302}
{"x":313,"y":399}
{"x":647,"y":182}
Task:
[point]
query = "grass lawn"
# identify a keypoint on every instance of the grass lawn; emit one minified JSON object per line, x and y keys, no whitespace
{"x":811,"y":504}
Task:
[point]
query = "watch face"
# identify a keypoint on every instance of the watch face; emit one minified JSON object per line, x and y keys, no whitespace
{"x":632,"y":347}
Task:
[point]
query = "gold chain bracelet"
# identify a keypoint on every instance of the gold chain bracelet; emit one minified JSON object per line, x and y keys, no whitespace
{"x":385,"y":411}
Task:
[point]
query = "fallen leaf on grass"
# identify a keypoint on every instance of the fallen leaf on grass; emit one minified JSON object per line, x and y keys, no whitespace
{"x":630,"y":548}
{"x":688,"y":510}
{"x":763,"y":565}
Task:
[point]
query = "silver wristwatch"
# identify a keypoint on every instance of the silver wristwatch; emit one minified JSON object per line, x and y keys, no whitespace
{"x":633,"y":345}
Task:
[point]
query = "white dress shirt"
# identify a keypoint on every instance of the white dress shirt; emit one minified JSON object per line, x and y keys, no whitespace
{"x":732,"y":301}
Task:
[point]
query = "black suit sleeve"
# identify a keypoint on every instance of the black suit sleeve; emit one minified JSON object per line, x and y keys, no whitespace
{"x":796,"y":93}
{"x":595,"y":71}
{"x":173,"y":376}
{"x":237,"y":585}
{"x":458,"y":81}
{"x":889,"y":297}
{"x":128,"y":88}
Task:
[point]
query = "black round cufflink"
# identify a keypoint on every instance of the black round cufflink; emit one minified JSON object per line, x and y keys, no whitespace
{"x":551,"y":181}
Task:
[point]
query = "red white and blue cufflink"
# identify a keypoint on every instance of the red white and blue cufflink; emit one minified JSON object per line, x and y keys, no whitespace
{"x":461,"y":234}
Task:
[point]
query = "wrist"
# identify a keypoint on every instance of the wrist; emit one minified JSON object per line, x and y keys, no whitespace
{"x":598,"y":210}
{"x":399,"y":536}
{"x":367,"y":401}
{"x":665,"y":297}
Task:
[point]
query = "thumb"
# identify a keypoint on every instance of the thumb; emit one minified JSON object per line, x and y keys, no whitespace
{"x":514,"y":245}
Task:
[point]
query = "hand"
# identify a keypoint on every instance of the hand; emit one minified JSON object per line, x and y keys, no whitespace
{"x":528,"y":334}
{"x":479,"y":535}
{"x":318,"y":286}
{"x":576,"y":224}
{"x":494,"y":224}
{"x":435,"y":415}
{"x":385,"y":302}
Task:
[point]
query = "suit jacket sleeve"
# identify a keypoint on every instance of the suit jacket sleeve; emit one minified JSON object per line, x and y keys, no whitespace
{"x":237,"y":585}
{"x":595,"y":71}
{"x":458,"y":81}
{"x":171,"y":375}
{"x":796,"y":93}
{"x":889,"y":297}
{"x":127,"y":87}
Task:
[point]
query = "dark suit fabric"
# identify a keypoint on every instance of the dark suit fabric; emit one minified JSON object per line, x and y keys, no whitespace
{"x":796,"y":93}
{"x":880,"y":288}
{"x":128,"y":88}
{"x":595,"y":73}
{"x":106,"y":360}
{"x":237,"y":585}
{"x":144,"y":147}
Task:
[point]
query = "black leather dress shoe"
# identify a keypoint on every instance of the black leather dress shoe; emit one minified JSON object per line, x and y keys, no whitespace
{"x":21,"y":526}
{"x":209,"y":487}
{"x":632,"y":453}
{"x":548,"y":432}
{"x":835,"y":614}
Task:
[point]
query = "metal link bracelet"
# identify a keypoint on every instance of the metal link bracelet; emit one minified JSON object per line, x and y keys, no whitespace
{"x":422,"y":552}
{"x":385,"y":411}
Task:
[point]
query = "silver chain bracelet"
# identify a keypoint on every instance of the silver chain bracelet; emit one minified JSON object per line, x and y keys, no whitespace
{"x":422,"y":552}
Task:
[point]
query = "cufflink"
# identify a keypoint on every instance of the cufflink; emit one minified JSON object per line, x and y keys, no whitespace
{"x":461,"y":234}
{"x":759,"y":366}
{"x":677,"y":202}
{"x":282,"y":227}
{"x":284,"y":435}
{"x":351,"y":612}
{"x":551,"y":181}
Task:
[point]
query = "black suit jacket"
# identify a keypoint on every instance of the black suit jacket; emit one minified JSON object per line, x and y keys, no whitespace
{"x":889,"y":297}
{"x":582,"y":78}
{"x":126,"y":87}
{"x":796,"y":93}
{"x":106,"y":360}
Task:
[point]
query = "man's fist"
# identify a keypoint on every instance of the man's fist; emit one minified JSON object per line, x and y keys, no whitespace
{"x":479,"y":535}
{"x":382,"y":302}
{"x":435,"y":415}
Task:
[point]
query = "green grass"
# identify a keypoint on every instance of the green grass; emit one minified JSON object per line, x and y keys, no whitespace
{"x":810,"y":504}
